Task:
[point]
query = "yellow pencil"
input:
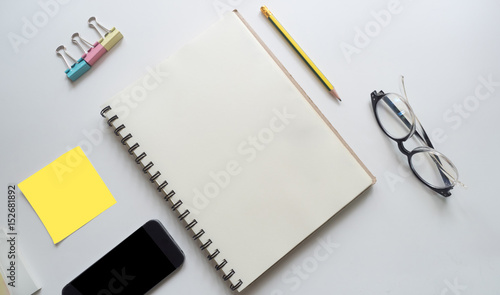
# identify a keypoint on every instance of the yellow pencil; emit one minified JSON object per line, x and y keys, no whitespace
{"x":301,"y":52}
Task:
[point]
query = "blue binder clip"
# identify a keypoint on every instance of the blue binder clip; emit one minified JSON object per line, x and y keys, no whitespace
{"x":78,"y":68}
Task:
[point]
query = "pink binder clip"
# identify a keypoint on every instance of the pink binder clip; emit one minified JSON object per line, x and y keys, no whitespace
{"x":94,"y":52}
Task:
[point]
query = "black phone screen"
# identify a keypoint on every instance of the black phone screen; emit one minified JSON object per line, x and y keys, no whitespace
{"x":133,"y":267}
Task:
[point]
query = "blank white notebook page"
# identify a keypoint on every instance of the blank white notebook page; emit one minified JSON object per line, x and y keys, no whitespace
{"x":243,"y":148}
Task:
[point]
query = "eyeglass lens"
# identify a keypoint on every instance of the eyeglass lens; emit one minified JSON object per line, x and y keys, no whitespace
{"x":395,"y":116}
{"x":434,"y":168}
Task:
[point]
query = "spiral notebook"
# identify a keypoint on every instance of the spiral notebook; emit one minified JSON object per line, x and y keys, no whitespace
{"x":237,"y":149}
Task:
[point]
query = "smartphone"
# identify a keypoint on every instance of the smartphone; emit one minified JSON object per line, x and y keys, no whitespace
{"x":133,"y":267}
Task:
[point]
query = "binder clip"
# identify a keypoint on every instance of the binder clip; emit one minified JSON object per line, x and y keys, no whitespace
{"x":93,"y":53}
{"x":110,"y":37}
{"x":78,"y":68}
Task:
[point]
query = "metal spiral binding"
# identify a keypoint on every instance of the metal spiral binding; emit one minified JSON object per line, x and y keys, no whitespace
{"x":221,"y":265}
{"x":176,"y":205}
{"x":191,"y":224}
{"x":127,"y":137}
{"x":147,"y":167}
{"x":235,"y":287}
{"x":162,"y":186}
{"x":198,"y":235}
{"x":140,"y":157}
{"x":104,"y":111}
{"x":229,"y":275}
{"x":183,"y":215}
{"x":132,"y":148}
{"x":204,"y":246}
{"x":212,"y":256}
{"x":153,"y":177}
{"x":169,"y":195}
{"x":110,"y":121}
{"x":119,"y":128}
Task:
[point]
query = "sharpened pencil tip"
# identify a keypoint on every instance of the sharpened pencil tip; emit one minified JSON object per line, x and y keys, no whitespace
{"x":334,"y":93}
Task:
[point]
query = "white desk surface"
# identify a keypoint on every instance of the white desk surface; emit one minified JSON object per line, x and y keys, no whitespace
{"x":398,"y":238}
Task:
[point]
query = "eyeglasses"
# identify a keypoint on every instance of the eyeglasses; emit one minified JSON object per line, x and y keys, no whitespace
{"x":396,"y":118}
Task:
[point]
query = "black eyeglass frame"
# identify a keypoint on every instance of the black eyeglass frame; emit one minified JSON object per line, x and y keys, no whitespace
{"x":445,"y":192}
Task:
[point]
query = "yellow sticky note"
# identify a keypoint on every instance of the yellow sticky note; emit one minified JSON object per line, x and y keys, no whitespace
{"x":66,"y":194}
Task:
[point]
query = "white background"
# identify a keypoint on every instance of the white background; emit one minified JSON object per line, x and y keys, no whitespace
{"x":398,"y":238}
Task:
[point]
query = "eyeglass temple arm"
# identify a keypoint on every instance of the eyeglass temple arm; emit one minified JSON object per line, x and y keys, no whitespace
{"x":444,"y":174}
{"x":424,"y":136}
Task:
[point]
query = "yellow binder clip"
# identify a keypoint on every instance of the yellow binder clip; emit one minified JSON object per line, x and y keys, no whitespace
{"x":110,"y":37}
